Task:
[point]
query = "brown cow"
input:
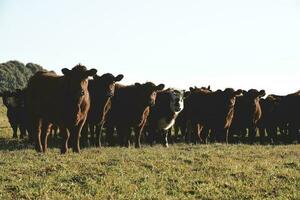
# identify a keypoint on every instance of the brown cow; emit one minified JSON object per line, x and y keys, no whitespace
{"x":62,"y":100}
{"x":270,"y":119}
{"x":247,"y":112}
{"x":14,"y":102}
{"x":130,"y":109}
{"x":169,"y":103}
{"x":182,"y":123}
{"x":289,"y":109}
{"x":101,"y":89}
{"x":211,"y":110}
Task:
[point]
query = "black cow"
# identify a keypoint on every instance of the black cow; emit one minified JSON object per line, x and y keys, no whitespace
{"x":169,"y":103}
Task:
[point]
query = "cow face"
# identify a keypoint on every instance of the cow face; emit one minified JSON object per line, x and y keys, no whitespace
{"x":12,"y":99}
{"x":230,"y":96}
{"x":107,"y":83}
{"x":77,"y":81}
{"x":176,"y":103}
{"x":253,"y":96}
{"x":147,"y":92}
{"x":6,"y":95}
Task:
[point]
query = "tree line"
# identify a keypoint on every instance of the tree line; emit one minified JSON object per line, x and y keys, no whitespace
{"x":15,"y":75}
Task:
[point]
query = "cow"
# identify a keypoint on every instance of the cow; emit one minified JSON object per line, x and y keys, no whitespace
{"x":101,"y":89}
{"x":61,"y":100}
{"x":130,"y":109}
{"x":270,"y":119}
{"x":247,"y":112}
{"x":213,"y":111}
{"x":14,"y":102}
{"x":181,"y":122}
{"x":169,"y":103}
{"x":289,"y":109}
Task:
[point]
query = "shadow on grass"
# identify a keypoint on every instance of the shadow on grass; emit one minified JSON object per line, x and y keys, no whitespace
{"x":14,"y":144}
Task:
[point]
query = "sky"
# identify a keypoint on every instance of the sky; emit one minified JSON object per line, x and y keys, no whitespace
{"x":233,"y":43}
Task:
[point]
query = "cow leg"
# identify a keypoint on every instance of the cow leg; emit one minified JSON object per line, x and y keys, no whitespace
{"x":121,"y":135}
{"x":203,"y":132}
{"x":30,"y":130}
{"x":231,"y":136}
{"x":217,"y":135}
{"x":176,"y":133}
{"x":164,"y":134}
{"x":76,"y":136}
{"x":292,"y":135}
{"x":243,"y":134}
{"x":170,"y":137}
{"x":151,"y":136}
{"x":46,"y":128}
{"x":37,"y":135}
{"x":262,"y":135}
{"x":213,"y":136}
{"x":252,"y":134}
{"x":110,"y":135}
{"x":138,"y":133}
{"x":15,"y":130}
{"x":84,"y":135}
{"x":272,"y":135}
{"x":92,"y":134}
{"x":188,"y":132}
{"x":98,"y":131}
{"x":23,"y":131}
{"x":226,"y":132}
{"x":65,"y":140}
{"x":195,"y":134}
{"x":55,"y":132}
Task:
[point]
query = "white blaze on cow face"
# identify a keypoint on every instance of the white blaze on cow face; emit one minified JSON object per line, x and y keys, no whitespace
{"x":176,"y":106}
{"x":176,"y":103}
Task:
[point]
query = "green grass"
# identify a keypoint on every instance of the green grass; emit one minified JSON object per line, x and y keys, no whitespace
{"x":179,"y":172}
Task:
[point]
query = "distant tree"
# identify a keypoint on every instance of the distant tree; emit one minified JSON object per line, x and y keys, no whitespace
{"x":15,"y":75}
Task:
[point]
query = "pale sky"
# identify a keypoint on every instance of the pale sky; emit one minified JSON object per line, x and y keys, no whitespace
{"x":222,"y":43}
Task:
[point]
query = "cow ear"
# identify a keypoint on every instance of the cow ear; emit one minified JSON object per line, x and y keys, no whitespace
{"x":91,"y":72}
{"x":208,"y":87}
{"x":96,"y":77}
{"x":137,"y":84}
{"x":238,"y":92}
{"x":262,"y":93}
{"x":186,"y":94}
{"x":160,"y":87}
{"x":66,"y":71}
{"x":119,"y":77}
{"x":191,"y":89}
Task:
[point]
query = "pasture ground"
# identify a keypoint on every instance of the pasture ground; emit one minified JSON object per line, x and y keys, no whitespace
{"x":182,"y":171}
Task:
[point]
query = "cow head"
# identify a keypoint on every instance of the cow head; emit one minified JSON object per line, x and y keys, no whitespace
{"x":10,"y":99}
{"x":229,"y":96}
{"x":147,"y":92}
{"x":106,"y":83}
{"x":176,"y":103}
{"x":253,"y":96}
{"x":201,"y":89}
{"x":77,"y":81}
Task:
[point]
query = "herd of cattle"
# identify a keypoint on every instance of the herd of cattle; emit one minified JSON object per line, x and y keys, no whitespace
{"x":83,"y":109}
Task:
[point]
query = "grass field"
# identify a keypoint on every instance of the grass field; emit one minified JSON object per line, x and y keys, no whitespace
{"x":179,"y":172}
